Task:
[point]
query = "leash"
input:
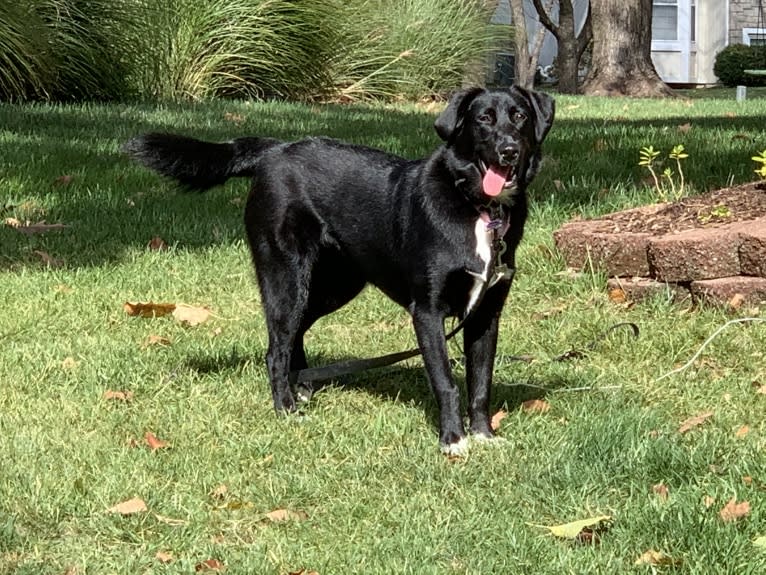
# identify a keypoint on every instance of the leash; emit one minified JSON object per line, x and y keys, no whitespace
{"x":497,"y":223}
{"x":349,"y":367}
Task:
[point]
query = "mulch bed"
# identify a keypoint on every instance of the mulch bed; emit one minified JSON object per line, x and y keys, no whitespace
{"x":712,"y":209}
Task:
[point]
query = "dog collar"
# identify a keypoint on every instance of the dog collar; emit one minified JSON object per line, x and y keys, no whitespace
{"x":498,"y":221}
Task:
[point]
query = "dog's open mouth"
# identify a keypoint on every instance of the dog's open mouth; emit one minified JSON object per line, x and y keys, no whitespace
{"x":497,"y":179}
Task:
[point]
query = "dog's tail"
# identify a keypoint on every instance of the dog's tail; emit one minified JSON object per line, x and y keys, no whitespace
{"x":195,"y":164}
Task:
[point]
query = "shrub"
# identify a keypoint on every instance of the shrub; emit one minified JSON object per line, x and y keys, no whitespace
{"x":252,"y":48}
{"x":393,"y":48}
{"x":732,"y":61}
{"x":24,"y":62}
{"x":65,"y":49}
{"x":197,"y":49}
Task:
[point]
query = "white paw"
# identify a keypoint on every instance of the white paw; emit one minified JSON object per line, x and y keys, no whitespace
{"x":457,"y":449}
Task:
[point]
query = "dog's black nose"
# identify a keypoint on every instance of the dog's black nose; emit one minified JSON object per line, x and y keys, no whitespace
{"x":509,"y":154}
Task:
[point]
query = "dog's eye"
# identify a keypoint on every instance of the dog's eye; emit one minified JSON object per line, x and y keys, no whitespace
{"x":519,"y":117}
{"x":487,"y":118}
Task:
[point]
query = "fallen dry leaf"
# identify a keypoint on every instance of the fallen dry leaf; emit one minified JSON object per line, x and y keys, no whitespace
{"x":742,"y":431}
{"x":497,"y":418}
{"x":759,"y":388}
{"x":549,"y":312}
{"x":129,"y":507}
{"x":573,"y":529}
{"x":747,"y":480}
{"x":69,"y":363}
{"x":303,"y":572}
{"x":156,"y":340}
{"x":157,"y":244}
{"x":153,"y":442}
{"x":63,"y":180}
{"x":118,"y":395}
{"x":733,"y":510}
{"x":191,"y":315}
{"x":170,"y":520}
{"x":736,"y":301}
{"x":695,"y":421}
{"x":163,"y":556}
{"x":234,"y":118}
{"x":617,"y":296}
{"x":148,"y":309}
{"x":661,"y":490}
{"x":684,"y":128}
{"x":237,"y":505}
{"x":48,"y":259}
{"x":280,"y":515}
{"x":535,"y":406}
{"x":209,"y":565}
{"x":708,"y":501}
{"x":760,"y":542}
{"x":219,"y":492}
{"x":38,"y":228}
{"x":652,"y":557}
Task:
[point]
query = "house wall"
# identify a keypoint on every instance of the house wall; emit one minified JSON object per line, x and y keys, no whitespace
{"x":670,"y":65}
{"x":742,"y":14}
{"x":712,"y":37}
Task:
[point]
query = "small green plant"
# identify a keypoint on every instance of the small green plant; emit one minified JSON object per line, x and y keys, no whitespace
{"x":668,"y":185}
{"x":719,"y":212}
{"x":761,"y":159}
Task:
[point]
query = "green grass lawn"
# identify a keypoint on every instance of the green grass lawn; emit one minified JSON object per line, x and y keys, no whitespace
{"x":360,"y":472}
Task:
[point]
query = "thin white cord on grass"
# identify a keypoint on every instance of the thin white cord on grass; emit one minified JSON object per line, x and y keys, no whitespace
{"x":707,"y":341}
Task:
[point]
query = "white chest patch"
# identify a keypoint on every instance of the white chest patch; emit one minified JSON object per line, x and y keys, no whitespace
{"x":484,"y":251}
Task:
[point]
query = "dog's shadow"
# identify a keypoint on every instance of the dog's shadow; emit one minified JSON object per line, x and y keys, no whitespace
{"x":405,"y":383}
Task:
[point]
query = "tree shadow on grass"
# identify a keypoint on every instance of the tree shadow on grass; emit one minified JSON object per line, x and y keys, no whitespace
{"x":110,"y":205}
{"x":63,"y":164}
{"x":404,"y":383}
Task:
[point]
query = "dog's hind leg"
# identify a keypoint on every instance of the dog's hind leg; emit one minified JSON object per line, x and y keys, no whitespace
{"x":283,"y":278}
{"x":334,"y":283}
{"x":284,"y":301}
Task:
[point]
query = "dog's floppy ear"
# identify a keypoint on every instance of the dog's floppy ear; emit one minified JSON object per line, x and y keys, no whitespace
{"x":544,"y":107}
{"x":451,"y":119}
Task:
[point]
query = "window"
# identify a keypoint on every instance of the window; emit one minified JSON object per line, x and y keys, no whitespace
{"x":665,"y":20}
{"x":754,"y":36}
{"x":693,"y":13}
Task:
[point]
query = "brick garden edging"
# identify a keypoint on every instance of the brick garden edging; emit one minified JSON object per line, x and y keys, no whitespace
{"x":712,"y":264}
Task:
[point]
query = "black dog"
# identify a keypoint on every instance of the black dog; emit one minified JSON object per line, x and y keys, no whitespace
{"x":324,"y":218}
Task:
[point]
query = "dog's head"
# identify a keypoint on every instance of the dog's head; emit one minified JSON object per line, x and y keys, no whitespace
{"x":497,"y":134}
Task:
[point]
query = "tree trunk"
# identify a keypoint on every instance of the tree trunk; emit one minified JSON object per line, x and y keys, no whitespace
{"x":622,"y":43}
{"x":570,"y":44}
{"x":568,"y":59}
{"x":524,"y":72}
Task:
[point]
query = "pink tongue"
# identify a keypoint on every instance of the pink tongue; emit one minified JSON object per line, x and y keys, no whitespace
{"x":494,"y":180}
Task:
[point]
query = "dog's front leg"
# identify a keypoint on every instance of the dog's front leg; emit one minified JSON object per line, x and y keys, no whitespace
{"x":429,"y":328}
{"x":480,"y":344}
